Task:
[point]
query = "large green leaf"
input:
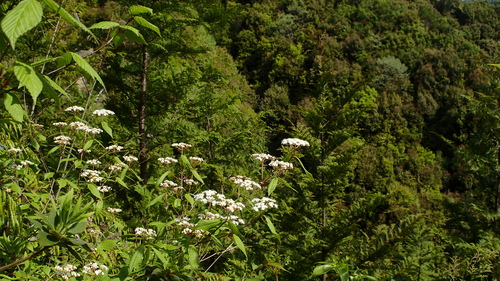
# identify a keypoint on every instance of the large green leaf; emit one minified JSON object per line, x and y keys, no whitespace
{"x":138,"y":9}
{"x":67,"y":16}
{"x":28,"y":78}
{"x":133,"y":34}
{"x":86,"y":67}
{"x":144,"y":23}
{"x":240,"y":245}
{"x":193,"y":258}
{"x":14,"y":107}
{"x":26,"y":15}
{"x":322,"y":269}
{"x":105,"y":25}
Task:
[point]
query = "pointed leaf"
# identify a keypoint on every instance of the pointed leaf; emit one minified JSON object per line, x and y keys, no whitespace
{"x":26,"y":15}
{"x":133,"y":34}
{"x":136,"y":259}
{"x":144,"y":23}
{"x":85,"y":66}
{"x":105,"y":25}
{"x":45,"y":239}
{"x":193,"y":258}
{"x":14,"y":107}
{"x":322,"y":269}
{"x":107,"y":128}
{"x":138,"y":9}
{"x":28,"y":78}
{"x":240,"y":245}
{"x":272,"y":186}
{"x":270,"y":225}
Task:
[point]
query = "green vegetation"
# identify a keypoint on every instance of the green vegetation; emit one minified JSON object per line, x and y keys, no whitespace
{"x":137,"y":140}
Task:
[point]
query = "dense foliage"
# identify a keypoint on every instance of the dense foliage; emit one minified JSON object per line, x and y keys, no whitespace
{"x":137,"y":139}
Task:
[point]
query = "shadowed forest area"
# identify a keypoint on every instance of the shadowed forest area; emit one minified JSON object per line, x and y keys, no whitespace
{"x":249,"y":140}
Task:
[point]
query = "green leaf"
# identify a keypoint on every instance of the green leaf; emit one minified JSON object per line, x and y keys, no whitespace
{"x":497,"y":65}
{"x":136,"y":259}
{"x":94,"y":191}
{"x":162,"y":257}
{"x":78,"y":228}
{"x":270,"y":225}
{"x":207,"y":225}
{"x":106,"y":128}
{"x":234,"y":229}
{"x":14,"y":107}
{"x":189,"y":198}
{"x":193,"y":258}
{"x":48,"y":175}
{"x":240,"y":245}
{"x":144,"y":23}
{"x":28,"y":78}
{"x":86,"y":67}
{"x":272,"y":186}
{"x":98,"y":207}
{"x":45,"y":239}
{"x":107,"y":245}
{"x":154,"y":201}
{"x":343,"y":271}
{"x":88,"y":144}
{"x":277,"y":265}
{"x":322,"y":269}
{"x":133,"y":34}
{"x":105,"y":25}
{"x":54,"y":85}
{"x":26,"y":15}
{"x":138,"y":9}
{"x":67,"y":16}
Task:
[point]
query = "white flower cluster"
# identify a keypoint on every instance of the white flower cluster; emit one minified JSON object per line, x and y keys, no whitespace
{"x":114,"y":210}
{"x":130,"y":159}
{"x":263,"y":204}
{"x":281,"y":165}
{"x":262,"y":157}
{"x":104,"y":188}
{"x":213,"y":198}
{"x":181,"y":146}
{"x":211,"y":216}
{"x":14,"y":150}
{"x":167,"y":184}
{"x":94,"y":269}
{"x":146,"y":233}
{"x":59,"y":124}
{"x":245,"y":182}
{"x":167,"y":160}
{"x":27,"y":163}
{"x":62,"y":140}
{"x":114,"y":148}
{"x":196,"y":160}
{"x":80,"y":126}
{"x":296,"y":143}
{"x":117,"y":167}
{"x":80,"y":150}
{"x":66,"y":271}
{"x":190,"y":182}
{"x":188,"y":227}
{"x":103,"y":112}
{"x":74,"y":109}
{"x":93,"y":162}
{"x":92,"y":175}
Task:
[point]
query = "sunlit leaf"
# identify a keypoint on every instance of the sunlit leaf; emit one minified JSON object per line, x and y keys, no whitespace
{"x":26,"y":15}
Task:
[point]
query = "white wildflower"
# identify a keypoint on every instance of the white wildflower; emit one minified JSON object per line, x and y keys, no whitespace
{"x":104,"y":188}
{"x":117,"y":167}
{"x":62,"y":140}
{"x":14,"y":150}
{"x":59,"y":124}
{"x":190,"y":182}
{"x":92,"y":175}
{"x":84,"y":150}
{"x":27,"y":163}
{"x":295,"y":143}
{"x":146,"y":233}
{"x":167,"y":183}
{"x":263,"y":204}
{"x":167,"y":160}
{"x":196,"y":160}
{"x":74,"y":109}
{"x":209,"y":216}
{"x":114,"y":210}
{"x":66,"y":271}
{"x":103,"y":112}
{"x":181,"y":146}
{"x":114,"y":148}
{"x":93,"y":162}
{"x":93,"y":131}
{"x":281,"y":165}
{"x":130,"y":159}
{"x":94,"y":269}
{"x":245,"y":183}
{"x":263,"y":157}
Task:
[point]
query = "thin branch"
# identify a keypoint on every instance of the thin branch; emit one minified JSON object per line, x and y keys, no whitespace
{"x":24,"y":259}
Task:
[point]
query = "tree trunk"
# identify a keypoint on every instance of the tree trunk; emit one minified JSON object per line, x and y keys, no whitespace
{"x":142,"y":117}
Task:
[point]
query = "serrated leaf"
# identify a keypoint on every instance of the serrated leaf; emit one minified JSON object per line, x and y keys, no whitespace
{"x":43,"y":61}
{"x":67,"y":16}
{"x":86,"y":67}
{"x":138,"y":9}
{"x":28,"y":77}
{"x":144,"y":23}
{"x":133,"y":34}
{"x":272,"y":186}
{"x":13,"y":106}
{"x":193,"y":258}
{"x":240,"y":245}
{"x":25,"y":16}
{"x":107,"y":128}
{"x":105,"y":25}
{"x":136,"y":259}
